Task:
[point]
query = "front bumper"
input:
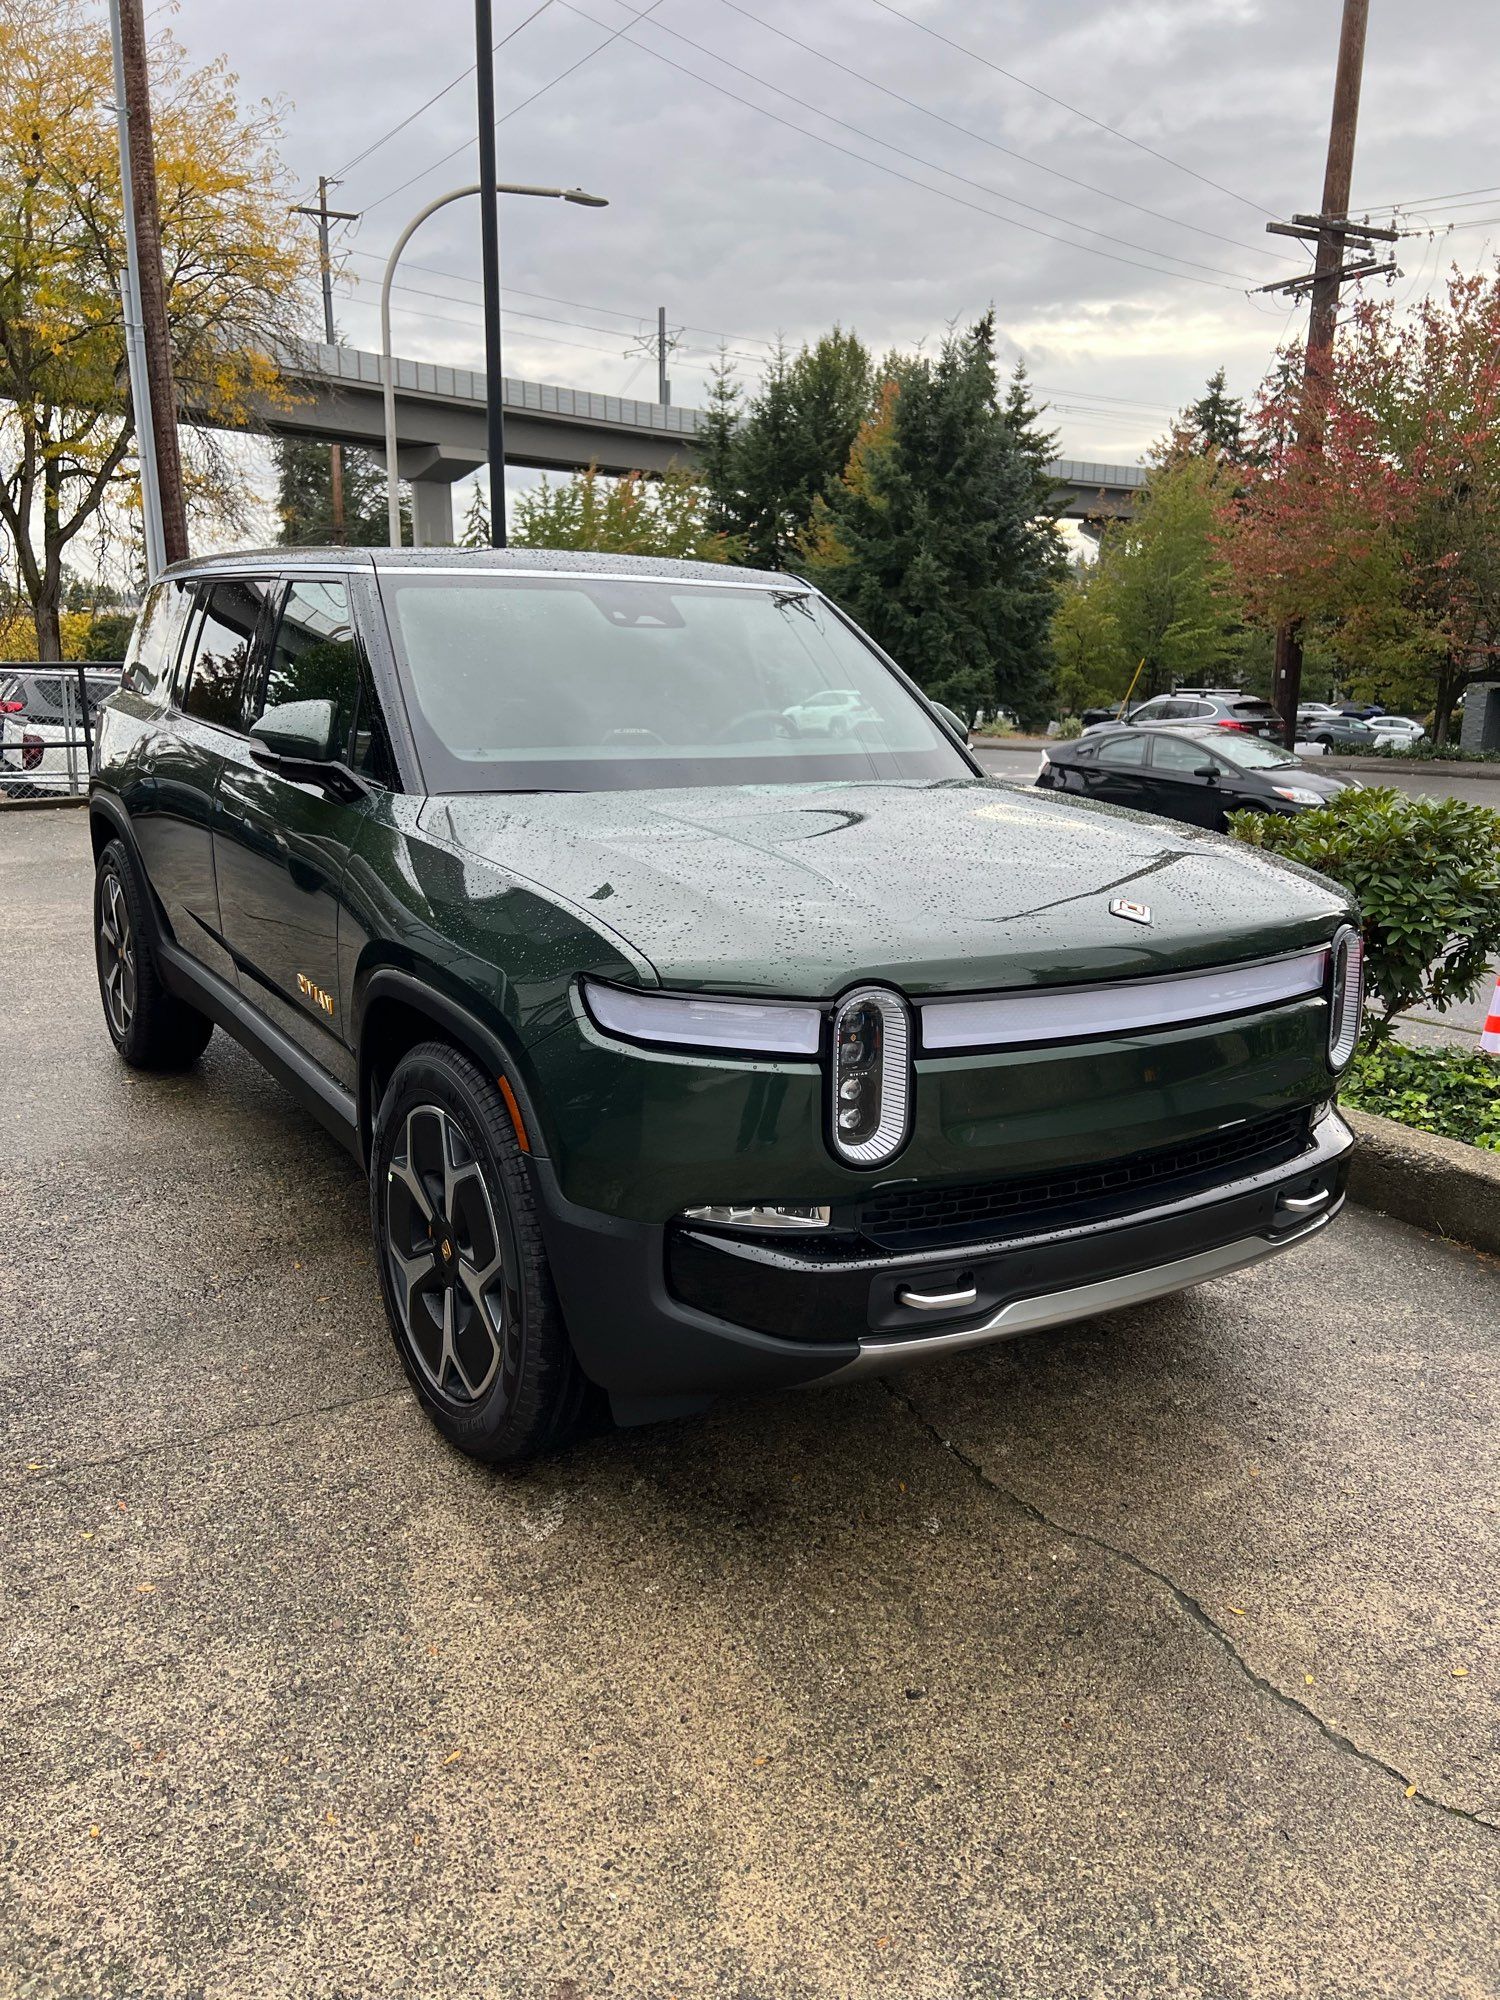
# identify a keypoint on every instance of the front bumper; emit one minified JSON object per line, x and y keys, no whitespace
{"x":668,"y":1318}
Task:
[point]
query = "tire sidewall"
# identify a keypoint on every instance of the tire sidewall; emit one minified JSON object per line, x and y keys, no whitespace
{"x":499,"y":1424}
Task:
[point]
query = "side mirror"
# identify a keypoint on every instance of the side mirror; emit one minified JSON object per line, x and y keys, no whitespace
{"x":302,"y":730}
{"x":956,"y":725}
{"x":1207,"y":771}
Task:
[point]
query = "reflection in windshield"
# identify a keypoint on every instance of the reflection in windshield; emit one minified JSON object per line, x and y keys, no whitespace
{"x":543,"y":682}
{"x":1251,"y":754}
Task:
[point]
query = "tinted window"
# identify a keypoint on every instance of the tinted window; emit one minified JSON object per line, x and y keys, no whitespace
{"x":1179,"y":753}
{"x":314,"y":657}
{"x":1123,"y":750}
{"x":1256,"y":710}
{"x":225,"y":639}
{"x":153,"y":643}
{"x":609,"y":683}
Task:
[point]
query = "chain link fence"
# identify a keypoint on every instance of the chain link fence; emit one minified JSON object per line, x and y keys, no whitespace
{"x":47,"y":712}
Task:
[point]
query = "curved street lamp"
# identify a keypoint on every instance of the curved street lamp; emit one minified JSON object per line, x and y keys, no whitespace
{"x":387,"y":366}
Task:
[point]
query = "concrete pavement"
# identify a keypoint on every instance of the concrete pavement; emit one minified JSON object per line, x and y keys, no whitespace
{"x":1153,"y":1657}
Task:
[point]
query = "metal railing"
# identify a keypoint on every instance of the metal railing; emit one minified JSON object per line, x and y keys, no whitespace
{"x":45,"y":757}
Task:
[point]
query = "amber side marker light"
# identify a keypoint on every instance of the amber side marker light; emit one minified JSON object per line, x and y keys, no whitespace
{"x":517,"y":1121}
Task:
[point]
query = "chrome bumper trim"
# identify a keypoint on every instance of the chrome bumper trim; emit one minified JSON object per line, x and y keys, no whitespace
{"x":1046,"y":1309}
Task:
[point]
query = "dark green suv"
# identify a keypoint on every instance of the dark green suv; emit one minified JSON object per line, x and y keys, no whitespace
{"x":694,"y":1046}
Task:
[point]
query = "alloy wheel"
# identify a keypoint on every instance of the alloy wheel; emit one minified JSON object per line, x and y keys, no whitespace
{"x":446,"y":1256}
{"x":116,"y":948}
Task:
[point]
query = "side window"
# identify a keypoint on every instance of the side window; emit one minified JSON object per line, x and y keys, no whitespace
{"x":226,"y":639}
{"x":153,"y":643}
{"x":315,"y":657}
{"x":1123,"y":750}
{"x":1180,"y":753}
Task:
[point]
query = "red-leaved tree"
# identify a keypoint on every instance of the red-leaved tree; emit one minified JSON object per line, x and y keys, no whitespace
{"x":1377,"y":522}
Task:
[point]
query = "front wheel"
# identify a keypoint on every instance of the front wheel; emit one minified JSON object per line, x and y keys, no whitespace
{"x":468,"y":1290}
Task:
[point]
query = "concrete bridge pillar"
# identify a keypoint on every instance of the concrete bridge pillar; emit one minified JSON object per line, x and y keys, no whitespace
{"x":432,"y":470}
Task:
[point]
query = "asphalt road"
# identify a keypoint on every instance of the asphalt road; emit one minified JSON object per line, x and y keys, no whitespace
{"x":1146,"y":1659}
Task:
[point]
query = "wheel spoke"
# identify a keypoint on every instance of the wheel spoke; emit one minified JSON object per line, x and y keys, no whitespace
{"x":418,"y":1273}
{"x":411,"y":1180}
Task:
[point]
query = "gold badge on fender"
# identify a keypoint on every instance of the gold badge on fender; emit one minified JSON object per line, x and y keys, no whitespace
{"x":314,"y":993}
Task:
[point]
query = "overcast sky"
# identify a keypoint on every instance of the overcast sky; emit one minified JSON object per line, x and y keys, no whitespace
{"x":744,"y":227}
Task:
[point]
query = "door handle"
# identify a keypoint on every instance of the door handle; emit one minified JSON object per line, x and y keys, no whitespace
{"x":931,"y":1302}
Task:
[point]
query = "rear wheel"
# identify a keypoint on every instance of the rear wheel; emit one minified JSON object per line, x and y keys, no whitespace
{"x":465,"y":1278}
{"x":151,"y":1028}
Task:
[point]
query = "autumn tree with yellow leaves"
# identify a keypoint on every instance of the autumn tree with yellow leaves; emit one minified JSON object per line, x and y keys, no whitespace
{"x":235,"y":267}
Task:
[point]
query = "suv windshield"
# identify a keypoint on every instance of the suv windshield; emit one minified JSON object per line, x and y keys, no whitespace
{"x":603,"y":683}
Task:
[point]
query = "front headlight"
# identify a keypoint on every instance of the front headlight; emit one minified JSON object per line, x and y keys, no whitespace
{"x":676,"y":1020}
{"x":1299,"y":795}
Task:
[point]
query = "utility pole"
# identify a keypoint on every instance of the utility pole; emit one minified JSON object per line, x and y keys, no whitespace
{"x":135,"y":345}
{"x":159,"y":437}
{"x":1331,"y":230}
{"x":323,"y":215}
{"x":489,"y":225}
{"x":663,"y":386}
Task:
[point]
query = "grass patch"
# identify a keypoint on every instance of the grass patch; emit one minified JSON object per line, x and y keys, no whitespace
{"x":1436,"y":1090}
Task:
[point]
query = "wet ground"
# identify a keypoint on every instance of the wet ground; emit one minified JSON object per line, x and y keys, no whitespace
{"x":1151,"y":1658}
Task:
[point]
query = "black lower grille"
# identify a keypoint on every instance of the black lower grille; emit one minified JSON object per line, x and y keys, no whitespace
{"x":918,"y":1218}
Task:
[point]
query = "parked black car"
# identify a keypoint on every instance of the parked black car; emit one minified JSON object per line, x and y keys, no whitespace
{"x":1198,"y":775}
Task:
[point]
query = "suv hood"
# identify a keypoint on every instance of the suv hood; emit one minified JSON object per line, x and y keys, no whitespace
{"x":949,"y":887}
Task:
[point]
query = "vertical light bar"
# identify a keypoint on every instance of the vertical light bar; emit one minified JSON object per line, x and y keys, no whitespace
{"x":1346,"y":998}
{"x":870,"y":1077}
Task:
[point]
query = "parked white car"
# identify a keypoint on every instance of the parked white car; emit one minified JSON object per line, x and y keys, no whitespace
{"x":1398,"y":730}
{"x":41,"y":728}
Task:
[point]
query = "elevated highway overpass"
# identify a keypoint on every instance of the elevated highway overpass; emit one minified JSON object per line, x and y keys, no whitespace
{"x":440,"y":428}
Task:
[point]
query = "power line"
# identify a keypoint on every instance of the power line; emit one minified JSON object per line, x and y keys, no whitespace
{"x":463,"y":147}
{"x":1427,"y":200}
{"x":437,"y":95}
{"x":1158,"y":215}
{"x":895,"y":173}
{"x":902,"y":152}
{"x":1062,"y":103}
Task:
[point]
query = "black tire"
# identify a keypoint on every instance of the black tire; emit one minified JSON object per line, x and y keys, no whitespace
{"x":151,"y":1028}
{"x":463,"y":1271}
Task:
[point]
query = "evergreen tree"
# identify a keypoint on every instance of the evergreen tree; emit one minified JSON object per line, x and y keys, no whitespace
{"x":1216,"y":422}
{"x":932,"y":538}
{"x":475,"y":533}
{"x":304,"y":494}
{"x":717,"y":447}
{"x":791,"y":445}
{"x":632,"y":515}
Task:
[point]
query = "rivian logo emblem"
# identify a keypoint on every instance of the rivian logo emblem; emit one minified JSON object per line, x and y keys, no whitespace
{"x":1135,"y":913}
{"x":314,"y":993}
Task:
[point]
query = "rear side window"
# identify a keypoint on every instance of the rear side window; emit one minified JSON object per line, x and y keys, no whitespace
{"x":1123,"y":750}
{"x":221,"y":658}
{"x":153,"y":643}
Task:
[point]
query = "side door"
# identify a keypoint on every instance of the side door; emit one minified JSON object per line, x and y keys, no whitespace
{"x":1118,"y":772}
{"x":186,"y":756}
{"x":1179,"y":783}
{"x":282,"y":842}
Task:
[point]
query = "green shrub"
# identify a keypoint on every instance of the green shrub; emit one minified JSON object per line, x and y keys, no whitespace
{"x":1069,"y":727}
{"x":1436,"y":1090}
{"x":1426,"y":874}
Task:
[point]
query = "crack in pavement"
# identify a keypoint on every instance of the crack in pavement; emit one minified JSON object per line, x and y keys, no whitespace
{"x":1196,"y":1613}
{"x":48,"y":1473}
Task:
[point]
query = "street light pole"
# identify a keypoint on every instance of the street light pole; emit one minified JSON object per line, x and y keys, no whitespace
{"x":135,"y":344}
{"x":489,"y":231}
{"x":388,"y":366}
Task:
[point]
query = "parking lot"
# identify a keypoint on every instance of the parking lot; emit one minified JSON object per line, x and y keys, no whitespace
{"x":1155,"y":1657}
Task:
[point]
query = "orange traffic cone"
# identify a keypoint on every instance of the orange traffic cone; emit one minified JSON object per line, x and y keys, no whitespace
{"x":1489,"y":1035}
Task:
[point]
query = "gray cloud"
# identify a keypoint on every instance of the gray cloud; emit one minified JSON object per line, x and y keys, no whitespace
{"x":744,"y":227}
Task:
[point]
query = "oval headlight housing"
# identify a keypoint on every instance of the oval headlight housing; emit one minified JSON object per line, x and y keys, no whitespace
{"x":1346,"y":995}
{"x":870,"y":1077}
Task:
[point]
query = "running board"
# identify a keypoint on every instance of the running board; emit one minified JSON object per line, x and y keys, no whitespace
{"x":328,"y":1101}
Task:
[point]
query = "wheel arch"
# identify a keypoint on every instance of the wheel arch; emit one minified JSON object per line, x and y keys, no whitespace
{"x":395,"y":1010}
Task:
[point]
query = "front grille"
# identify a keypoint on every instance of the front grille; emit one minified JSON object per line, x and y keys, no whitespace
{"x":922,"y":1218}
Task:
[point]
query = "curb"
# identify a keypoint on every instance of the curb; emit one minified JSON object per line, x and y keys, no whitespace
{"x":43,"y":805}
{"x":1409,"y":767}
{"x":1438,"y":1184}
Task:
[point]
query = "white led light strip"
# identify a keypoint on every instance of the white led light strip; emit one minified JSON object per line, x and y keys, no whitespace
{"x":1068,"y":1013}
